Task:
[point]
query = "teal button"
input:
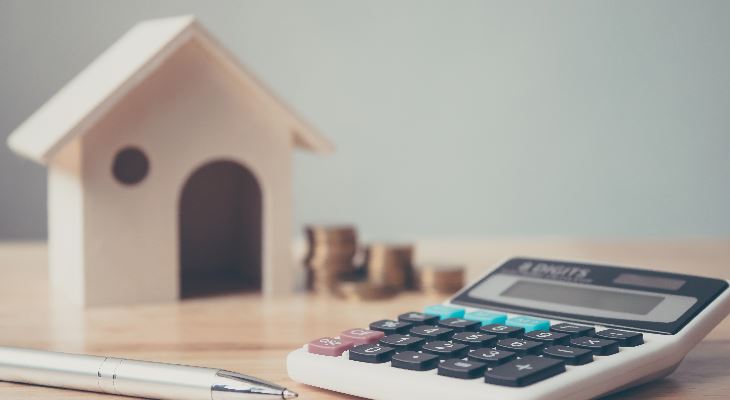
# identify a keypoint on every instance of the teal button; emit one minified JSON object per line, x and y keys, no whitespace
{"x":486,"y":317}
{"x":444,"y":311}
{"x":529,"y":323}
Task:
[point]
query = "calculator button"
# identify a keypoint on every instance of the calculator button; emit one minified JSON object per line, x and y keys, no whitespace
{"x":361,"y":336}
{"x":491,"y":357}
{"x":519,"y":346}
{"x":431,"y":332}
{"x":444,"y":311}
{"x":529,"y":323}
{"x":389,"y":327}
{"x":402,"y":342}
{"x":573,"y":330}
{"x":371,"y":353}
{"x":525,"y":371}
{"x":415,"y":361}
{"x":445,"y":350}
{"x":486,"y":317}
{"x":328,"y":346}
{"x":417,"y":318}
{"x":600,"y":347}
{"x":461,"y":369}
{"x":571,"y":355}
{"x":548,"y":338}
{"x":473,"y":339}
{"x":624,"y":338}
{"x":502,"y":331}
{"x":460,"y":324}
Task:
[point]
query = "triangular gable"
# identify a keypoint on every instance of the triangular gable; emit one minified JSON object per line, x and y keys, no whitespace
{"x":99,"y":87}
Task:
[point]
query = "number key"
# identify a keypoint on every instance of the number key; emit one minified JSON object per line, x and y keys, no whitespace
{"x":548,"y":338}
{"x":474,"y":340}
{"x":431,"y":332}
{"x":402,"y":342}
{"x":417,"y":318}
{"x":389,"y":327}
{"x":519,"y":346}
{"x":624,"y":338}
{"x":491,"y":357}
{"x":371,"y":353}
{"x":460,"y":324}
{"x":502,"y":331}
{"x":599,"y":347}
{"x":445,"y":350}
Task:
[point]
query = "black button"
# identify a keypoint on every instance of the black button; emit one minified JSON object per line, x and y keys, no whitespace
{"x":599,"y":347}
{"x":548,"y":338}
{"x":445,"y":349}
{"x":524,"y":371}
{"x":461,"y":369}
{"x":573,"y":330}
{"x":402,"y":342}
{"x":418,"y":318}
{"x":415,"y":361}
{"x":389,"y":327}
{"x":432,"y":332}
{"x":460,"y":324}
{"x":474,"y":340}
{"x":502,"y":331}
{"x":371,"y":353}
{"x":571,"y":355}
{"x":491,"y":357}
{"x":624,"y":338}
{"x":519,"y":346}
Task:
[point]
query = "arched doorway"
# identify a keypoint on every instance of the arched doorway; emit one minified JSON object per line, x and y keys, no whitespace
{"x":220,"y":231}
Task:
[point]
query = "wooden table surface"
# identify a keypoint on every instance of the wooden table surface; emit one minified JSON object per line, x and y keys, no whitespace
{"x":246,"y":333}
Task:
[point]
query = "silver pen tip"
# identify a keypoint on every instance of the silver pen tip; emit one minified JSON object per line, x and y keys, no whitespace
{"x":288,"y":394}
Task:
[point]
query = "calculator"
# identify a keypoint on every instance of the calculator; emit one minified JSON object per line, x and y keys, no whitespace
{"x":529,"y":329}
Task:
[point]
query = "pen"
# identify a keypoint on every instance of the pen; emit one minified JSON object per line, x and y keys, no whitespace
{"x":132,"y":378}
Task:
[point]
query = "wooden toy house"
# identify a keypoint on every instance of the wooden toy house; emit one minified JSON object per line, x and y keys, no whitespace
{"x":169,"y":168}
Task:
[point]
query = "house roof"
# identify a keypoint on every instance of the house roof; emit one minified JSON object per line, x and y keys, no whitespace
{"x":98,"y":88}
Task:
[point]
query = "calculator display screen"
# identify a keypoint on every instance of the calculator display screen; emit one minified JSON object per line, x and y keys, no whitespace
{"x":599,"y":299}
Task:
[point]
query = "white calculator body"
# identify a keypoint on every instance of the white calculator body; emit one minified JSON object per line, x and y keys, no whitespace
{"x":563,"y":330}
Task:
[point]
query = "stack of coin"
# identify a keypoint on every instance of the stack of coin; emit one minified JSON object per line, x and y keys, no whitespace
{"x":364,"y":291}
{"x":389,"y":265}
{"x":439,"y":278}
{"x":331,"y":249}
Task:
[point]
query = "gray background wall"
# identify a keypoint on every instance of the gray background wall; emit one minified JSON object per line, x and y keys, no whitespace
{"x":460,"y":118}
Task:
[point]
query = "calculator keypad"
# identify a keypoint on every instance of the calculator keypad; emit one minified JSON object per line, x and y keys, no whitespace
{"x":515,"y":351}
{"x":461,"y":369}
{"x":371,"y":353}
{"x":525,"y":371}
{"x":415,"y":361}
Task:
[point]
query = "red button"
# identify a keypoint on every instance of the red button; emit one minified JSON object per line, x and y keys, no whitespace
{"x":328,"y":346}
{"x":361,"y":336}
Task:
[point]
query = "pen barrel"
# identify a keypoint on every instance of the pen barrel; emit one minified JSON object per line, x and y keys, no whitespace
{"x":106,"y":374}
{"x":50,"y":369}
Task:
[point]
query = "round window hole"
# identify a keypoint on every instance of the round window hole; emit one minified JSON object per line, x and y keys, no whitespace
{"x":130,"y":166}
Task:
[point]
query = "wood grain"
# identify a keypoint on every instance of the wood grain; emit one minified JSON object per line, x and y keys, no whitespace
{"x":243,"y":332}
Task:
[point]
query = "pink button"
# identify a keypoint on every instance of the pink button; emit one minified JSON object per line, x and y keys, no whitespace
{"x":328,"y":346}
{"x":361,"y":336}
